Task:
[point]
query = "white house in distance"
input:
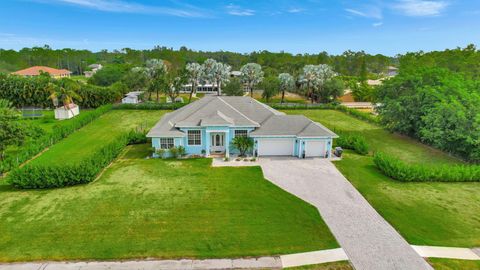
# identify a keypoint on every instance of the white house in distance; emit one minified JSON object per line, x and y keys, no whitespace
{"x":94,"y":68}
{"x":132,"y":97}
{"x":66,"y":112}
{"x":209,"y":88}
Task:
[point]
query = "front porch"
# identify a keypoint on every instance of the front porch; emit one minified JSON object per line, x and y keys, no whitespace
{"x":217,"y":143}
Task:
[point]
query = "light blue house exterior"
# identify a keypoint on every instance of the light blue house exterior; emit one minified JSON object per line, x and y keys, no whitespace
{"x":208,"y":126}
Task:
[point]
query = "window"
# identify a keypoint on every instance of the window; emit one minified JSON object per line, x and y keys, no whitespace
{"x":166,"y":143}
{"x":241,"y":133}
{"x":194,"y":137}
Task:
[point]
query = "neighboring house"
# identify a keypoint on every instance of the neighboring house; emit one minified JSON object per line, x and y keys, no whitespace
{"x":203,"y":89}
{"x":36,"y":70}
{"x":392,"y":71}
{"x":208,"y":126}
{"x":132,"y":97}
{"x":235,"y":73}
{"x":93,"y":69}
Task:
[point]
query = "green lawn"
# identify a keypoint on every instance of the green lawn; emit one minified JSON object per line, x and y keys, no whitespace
{"x":96,"y":134}
{"x":343,"y":265}
{"x":449,"y":264}
{"x":143,"y":208}
{"x":444,"y":214}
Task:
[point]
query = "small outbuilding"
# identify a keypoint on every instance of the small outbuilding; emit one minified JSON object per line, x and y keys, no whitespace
{"x":66,"y":112}
{"x":132,"y":97}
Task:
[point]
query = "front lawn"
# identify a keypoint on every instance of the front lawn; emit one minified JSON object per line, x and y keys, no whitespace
{"x":143,"y":208}
{"x":96,"y":134}
{"x":444,"y":214}
{"x":449,"y":264}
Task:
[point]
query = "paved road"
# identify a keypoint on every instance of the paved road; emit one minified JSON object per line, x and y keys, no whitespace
{"x":368,"y":240}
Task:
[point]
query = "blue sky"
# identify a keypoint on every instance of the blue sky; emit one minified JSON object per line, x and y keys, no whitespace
{"x":303,"y":26}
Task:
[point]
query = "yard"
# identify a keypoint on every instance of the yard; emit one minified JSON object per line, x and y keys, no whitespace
{"x":96,"y":134}
{"x":143,"y":208}
{"x":443,"y":214}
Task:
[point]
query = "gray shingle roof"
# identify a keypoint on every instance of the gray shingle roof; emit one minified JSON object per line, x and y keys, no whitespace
{"x":237,"y":111}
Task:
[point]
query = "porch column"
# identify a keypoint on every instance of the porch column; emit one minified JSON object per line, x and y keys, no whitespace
{"x":227,"y":144}
{"x":207,"y":144}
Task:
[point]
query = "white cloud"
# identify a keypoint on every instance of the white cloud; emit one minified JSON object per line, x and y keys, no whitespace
{"x":367,"y":12}
{"x":420,"y":8}
{"x":295,"y":10}
{"x":377,"y":24}
{"x":121,"y":6}
{"x":239,"y":11}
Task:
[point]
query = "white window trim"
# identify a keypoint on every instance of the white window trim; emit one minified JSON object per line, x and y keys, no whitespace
{"x":167,"y":143}
{"x":235,"y":132}
{"x":188,"y":139}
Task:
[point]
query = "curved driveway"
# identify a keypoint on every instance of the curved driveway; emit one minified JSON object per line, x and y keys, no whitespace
{"x":369,"y":241}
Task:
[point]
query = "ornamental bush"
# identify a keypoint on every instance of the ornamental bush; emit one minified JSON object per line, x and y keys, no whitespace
{"x":354,"y":142}
{"x":401,"y":171}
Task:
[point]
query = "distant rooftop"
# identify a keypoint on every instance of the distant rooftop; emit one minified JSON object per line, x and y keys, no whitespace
{"x":35,"y":71}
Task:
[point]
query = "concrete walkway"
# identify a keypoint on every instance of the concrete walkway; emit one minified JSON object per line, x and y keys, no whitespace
{"x":368,"y":240}
{"x":277,"y":262}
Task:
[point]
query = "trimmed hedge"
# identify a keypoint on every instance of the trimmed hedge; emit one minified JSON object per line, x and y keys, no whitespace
{"x":33,"y":147}
{"x":401,"y":171}
{"x":329,"y":106}
{"x":149,"y":106}
{"x":354,"y":142}
{"x":62,"y":175}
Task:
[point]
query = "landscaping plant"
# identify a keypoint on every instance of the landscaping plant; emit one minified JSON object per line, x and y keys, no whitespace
{"x":402,"y":171}
{"x":242,"y":144}
{"x":354,"y":142}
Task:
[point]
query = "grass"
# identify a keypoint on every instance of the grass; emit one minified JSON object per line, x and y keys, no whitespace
{"x":289,"y":98}
{"x":449,"y":264}
{"x":342,"y":265}
{"x":444,"y":214}
{"x":143,"y":208}
{"x":96,"y":134}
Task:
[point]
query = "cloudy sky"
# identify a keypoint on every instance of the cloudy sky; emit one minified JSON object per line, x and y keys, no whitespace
{"x":302,"y":26}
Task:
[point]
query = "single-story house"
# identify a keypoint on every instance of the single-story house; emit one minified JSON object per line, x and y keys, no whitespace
{"x":93,"y":69}
{"x":36,"y":71}
{"x":132,"y":97}
{"x":208,"y":126}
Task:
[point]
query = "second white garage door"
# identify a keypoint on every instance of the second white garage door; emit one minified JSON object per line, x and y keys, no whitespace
{"x":315,"y":148}
{"x":275,"y":147}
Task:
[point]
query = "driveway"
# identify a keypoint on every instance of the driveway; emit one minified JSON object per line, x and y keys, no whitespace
{"x":369,"y":241}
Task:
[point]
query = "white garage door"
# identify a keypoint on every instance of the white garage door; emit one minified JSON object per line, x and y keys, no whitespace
{"x":275,"y":147}
{"x":315,"y":148}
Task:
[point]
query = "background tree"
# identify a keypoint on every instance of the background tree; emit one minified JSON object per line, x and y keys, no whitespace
{"x":12,"y":132}
{"x":157,"y":75}
{"x":174,"y":81}
{"x":286,"y":83}
{"x":216,"y":73}
{"x":233,"y":88}
{"x":109,"y":74}
{"x":195,"y":73}
{"x":136,"y":79}
{"x":270,"y":87}
{"x":363,"y":92}
{"x":252,"y":75}
{"x":313,"y":79}
{"x":331,"y":90}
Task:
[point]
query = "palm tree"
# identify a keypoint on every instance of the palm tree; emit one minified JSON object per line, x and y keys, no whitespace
{"x":286,"y":83}
{"x":195,"y":71}
{"x":252,"y":75}
{"x":64,"y":90}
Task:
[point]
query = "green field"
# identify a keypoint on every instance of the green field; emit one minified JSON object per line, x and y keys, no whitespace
{"x":449,"y":264}
{"x":143,"y":208}
{"x":444,"y":214}
{"x":96,"y":134}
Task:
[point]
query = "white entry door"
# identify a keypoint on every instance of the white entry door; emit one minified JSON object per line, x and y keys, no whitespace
{"x":217,"y":141}
{"x":276,"y":147}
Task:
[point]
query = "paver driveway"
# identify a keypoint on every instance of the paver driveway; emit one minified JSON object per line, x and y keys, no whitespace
{"x":368,"y":240}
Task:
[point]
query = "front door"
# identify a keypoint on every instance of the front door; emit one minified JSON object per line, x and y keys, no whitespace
{"x":217,"y":142}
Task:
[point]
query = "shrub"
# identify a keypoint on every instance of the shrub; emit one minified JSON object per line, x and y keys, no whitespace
{"x":149,"y":106}
{"x":59,"y":131}
{"x":242,"y":144}
{"x":182,"y":151}
{"x":173,"y":152}
{"x":137,"y":137}
{"x":354,"y":142}
{"x":60,"y":175}
{"x":401,"y":171}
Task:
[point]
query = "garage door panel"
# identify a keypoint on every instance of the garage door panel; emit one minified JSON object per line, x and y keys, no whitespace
{"x":315,"y":148}
{"x":276,"y":147}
